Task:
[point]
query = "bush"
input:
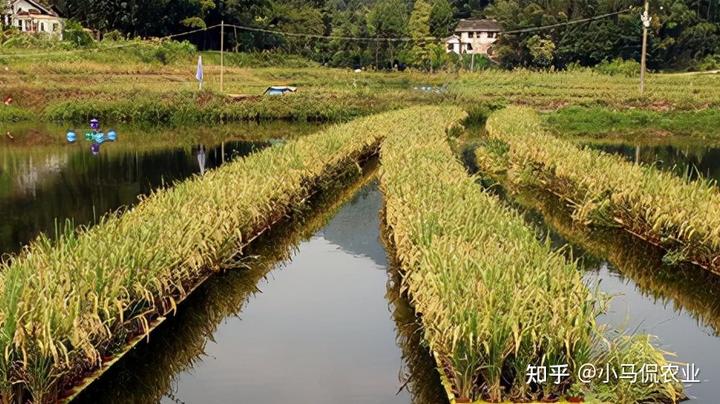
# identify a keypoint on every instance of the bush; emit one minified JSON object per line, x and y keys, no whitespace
{"x":75,"y":34}
{"x":619,"y":66}
{"x":710,"y":62}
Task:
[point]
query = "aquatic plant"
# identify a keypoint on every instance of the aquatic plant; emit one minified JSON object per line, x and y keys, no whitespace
{"x":492,"y":298}
{"x":67,"y":305}
{"x":602,"y":189}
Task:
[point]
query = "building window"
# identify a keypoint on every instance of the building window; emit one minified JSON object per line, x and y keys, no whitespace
{"x":450,"y":46}
{"x":42,"y":26}
{"x":55,"y":27}
{"x":469,"y":47}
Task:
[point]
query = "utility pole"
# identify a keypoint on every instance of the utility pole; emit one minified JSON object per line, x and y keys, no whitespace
{"x":645,"y":17}
{"x":222,"y":56}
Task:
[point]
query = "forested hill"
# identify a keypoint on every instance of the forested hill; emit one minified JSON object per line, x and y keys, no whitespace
{"x":683,"y":32}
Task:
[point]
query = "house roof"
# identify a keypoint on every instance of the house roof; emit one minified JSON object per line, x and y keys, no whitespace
{"x":452,"y":38}
{"x":478,"y":25}
{"x":43,"y":9}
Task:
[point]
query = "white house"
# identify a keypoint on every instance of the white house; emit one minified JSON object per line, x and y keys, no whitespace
{"x":31,"y":16}
{"x":474,"y":36}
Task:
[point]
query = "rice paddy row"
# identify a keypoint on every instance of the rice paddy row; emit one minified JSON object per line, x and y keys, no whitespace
{"x":604,"y":190}
{"x":67,"y":306}
{"x":493,"y":300}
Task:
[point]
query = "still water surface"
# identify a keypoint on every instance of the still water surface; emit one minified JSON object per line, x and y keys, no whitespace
{"x":40,"y":187}
{"x":678,"y":305}
{"x":323,"y":324}
{"x":687,"y":159}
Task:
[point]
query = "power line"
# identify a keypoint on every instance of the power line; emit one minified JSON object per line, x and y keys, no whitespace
{"x":411,"y":39}
{"x":311,"y":36}
{"x":572,"y":22}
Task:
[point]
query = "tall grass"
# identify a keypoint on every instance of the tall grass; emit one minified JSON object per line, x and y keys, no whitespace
{"x":208,"y":107}
{"x":66,"y":305}
{"x":493,"y":299}
{"x":678,"y":215}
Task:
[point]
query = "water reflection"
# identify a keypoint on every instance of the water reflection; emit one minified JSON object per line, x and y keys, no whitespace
{"x":680,"y":305}
{"x":201,"y":158}
{"x":688,"y":160}
{"x":419,"y":373}
{"x":316,"y":328}
{"x":40,"y":187}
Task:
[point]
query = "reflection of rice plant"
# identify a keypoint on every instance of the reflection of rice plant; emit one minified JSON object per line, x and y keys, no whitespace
{"x":178,"y":344}
{"x":493,"y":300}
{"x":68,"y":305}
{"x":673,"y":213}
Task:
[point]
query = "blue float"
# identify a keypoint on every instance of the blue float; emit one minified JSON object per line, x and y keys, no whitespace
{"x":111,"y":135}
{"x":99,"y":138}
{"x":71,"y":136}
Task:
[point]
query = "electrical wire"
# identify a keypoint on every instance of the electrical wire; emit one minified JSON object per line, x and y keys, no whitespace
{"x":311,"y":36}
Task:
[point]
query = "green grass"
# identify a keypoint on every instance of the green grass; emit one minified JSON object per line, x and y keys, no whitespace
{"x":14,"y":114}
{"x":603,"y":122}
{"x":493,"y":300}
{"x":194,"y":108}
{"x":112,"y":81}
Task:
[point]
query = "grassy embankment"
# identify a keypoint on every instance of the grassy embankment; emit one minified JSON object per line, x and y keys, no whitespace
{"x":66,"y":306}
{"x":605,"y":190}
{"x":151,"y":87}
{"x":633,"y":123}
{"x":493,"y":300}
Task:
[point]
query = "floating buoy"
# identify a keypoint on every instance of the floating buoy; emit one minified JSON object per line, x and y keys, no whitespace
{"x":99,"y":137}
{"x":95,"y":148}
{"x":94,"y":124}
{"x":88,"y":136}
{"x":111,"y":135}
{"x":71,"y":136}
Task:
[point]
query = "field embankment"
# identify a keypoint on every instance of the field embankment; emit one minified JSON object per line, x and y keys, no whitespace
{"x":633,"y":123}
{"x":605,"y":190}
{"x":477,"y":276}
{"x":142,"y":90}
{"x":85,"y":295}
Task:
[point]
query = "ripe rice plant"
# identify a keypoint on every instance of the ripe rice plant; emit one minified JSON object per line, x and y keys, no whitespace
{"x":677,"y":215}
{"x":493,"y":300}
{"x":67,"y":306}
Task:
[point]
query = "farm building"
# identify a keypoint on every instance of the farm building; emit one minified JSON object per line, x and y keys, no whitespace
{"x":473,"y":36}
{"x":31,"y":16}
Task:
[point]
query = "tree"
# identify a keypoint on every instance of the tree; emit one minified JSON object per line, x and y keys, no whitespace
{"x":542,"y":51}
{"x":419,"y":29}
{"x":387,"y":19}
{"x":198,"y":21}
{"x":442,"y":21}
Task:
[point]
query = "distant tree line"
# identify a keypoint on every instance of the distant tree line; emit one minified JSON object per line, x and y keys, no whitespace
{"x":683,"y":32}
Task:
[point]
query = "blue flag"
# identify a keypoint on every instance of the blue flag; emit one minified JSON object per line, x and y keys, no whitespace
{"x":199,"y":74}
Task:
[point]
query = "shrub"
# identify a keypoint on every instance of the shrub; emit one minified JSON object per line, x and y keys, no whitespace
{"x":710,"y":62}
{"x":75,"y":34}
{"x":628,"y":68}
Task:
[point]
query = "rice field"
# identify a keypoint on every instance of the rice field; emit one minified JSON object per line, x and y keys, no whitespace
{"x":476,"y":274}
{"x":605,"y":190}
{"x":68,"y":305}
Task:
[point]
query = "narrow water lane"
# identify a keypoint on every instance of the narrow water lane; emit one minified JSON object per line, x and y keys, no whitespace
{"x":322,"y":323}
